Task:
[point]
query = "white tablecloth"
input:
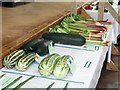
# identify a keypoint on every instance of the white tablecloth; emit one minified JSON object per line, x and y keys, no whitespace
{"x":83,"y":77}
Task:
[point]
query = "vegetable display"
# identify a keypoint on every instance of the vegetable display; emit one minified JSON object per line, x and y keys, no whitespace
{"x":25,"y":61}
{"x":73,"y":30}
{"x":12,"y":58}
{"x":56,"y":65}
{"x":78,"y":25}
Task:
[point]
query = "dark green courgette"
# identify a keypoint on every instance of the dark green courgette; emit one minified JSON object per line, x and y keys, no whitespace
{"x":69,"y":39}
{"x":41,"y":48}
{"x":28,"y":46}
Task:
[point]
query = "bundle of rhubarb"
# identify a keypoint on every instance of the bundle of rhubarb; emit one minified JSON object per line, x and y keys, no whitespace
{"x":92,"y":30}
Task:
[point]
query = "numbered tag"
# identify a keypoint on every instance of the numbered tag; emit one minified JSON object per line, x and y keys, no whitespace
{"x":87,"y":64}
{"x":51,"y":48}
{"x":72,"y":65}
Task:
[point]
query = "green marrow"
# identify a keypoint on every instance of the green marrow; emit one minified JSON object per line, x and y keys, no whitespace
{"x":62,"y":68}
{"x":25,"y":61}
{"x":47,"y":65}
{"x":12,"y":58}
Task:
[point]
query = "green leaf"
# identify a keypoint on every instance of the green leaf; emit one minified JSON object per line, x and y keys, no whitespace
{"x":22,"y":83}
{"x":5,"y":88}
{"x":2,"y":76}
{"x":49,"y":87}
{"x":65,"y":88}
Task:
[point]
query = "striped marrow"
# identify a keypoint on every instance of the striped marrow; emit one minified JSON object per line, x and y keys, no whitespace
{"x":25,"y":62}
{"x":12,"y":59}
{"x":61,"y":69}
{"x":47,"y":65}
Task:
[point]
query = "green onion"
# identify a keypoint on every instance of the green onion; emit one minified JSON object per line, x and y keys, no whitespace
{"x":65,"y":88}
{"x":5,"y":88}
{"x":2,"y":76}
{"x":49,"y":87}
{"x":22,"y":83}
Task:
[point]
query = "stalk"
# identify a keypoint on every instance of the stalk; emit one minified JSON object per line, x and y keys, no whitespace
{"x":107,"y":23}
{"x":83,"y":33}
{"x":104,"y":43}
{"x":95,"y":39}
{"x":89,"y":27}
{"x":66,"y":26}
{"x":92,"y":35}
{"x":85,"y":28}
{"x":77,"y":25}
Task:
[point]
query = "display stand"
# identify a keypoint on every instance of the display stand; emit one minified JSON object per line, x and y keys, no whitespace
{"x":110,"y":65}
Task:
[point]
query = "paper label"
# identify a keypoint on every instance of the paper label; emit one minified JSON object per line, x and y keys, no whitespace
{"x":72,"y":65}
{"x":91,"y":47}
{"x":51,"y":48}
{"x":87,"y":64}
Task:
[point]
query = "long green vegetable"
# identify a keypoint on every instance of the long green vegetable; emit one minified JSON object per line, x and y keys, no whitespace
{"x":22,"y":83}
{"x":65,"y":88}
{"x":5,"y":88}
{"x":76,"y":24}
{"x":104,"y":43}
{"x":49,"y":87}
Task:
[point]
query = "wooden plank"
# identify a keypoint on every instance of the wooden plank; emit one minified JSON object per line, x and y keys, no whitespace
{"x":115,"y":51}
{"x":83,"y":12}
{"x":112,"y":12}
{"x":111,"y":66}
{"x":101,"y":10}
